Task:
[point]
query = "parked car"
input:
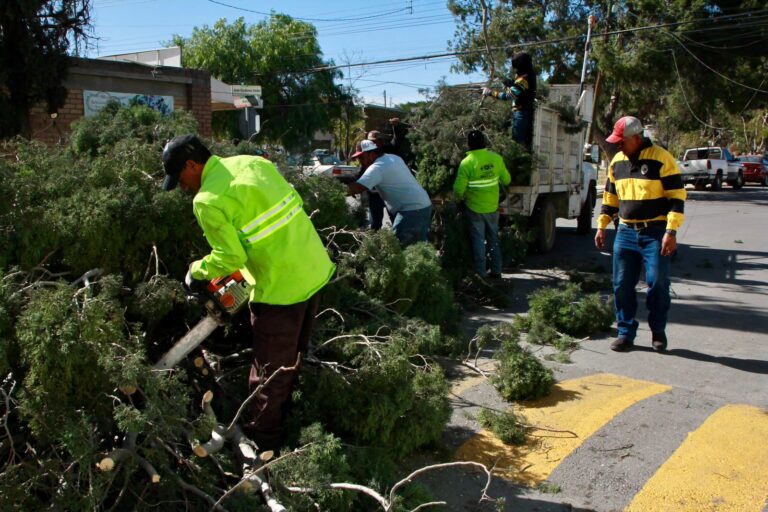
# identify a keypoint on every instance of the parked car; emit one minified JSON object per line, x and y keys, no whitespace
{"x":755,"y":169}
{"x":324,"y":164}
{"x":711,"y":166}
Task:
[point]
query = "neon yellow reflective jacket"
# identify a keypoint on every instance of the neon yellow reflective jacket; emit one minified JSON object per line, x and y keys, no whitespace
{"x":254,"y":222}
{"x":478,"y":180}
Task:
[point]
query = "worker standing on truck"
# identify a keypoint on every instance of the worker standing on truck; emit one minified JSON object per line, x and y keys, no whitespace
{"x":477,"y":184}
{"x":645,"y":190}
{"x":254,"y":222}
{"x":398,"y":187}
{"x":521,"y":90}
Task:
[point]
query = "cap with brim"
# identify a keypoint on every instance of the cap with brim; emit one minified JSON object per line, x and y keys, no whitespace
{"x":363,"y":147}
{"x":175,"y":156}
{"x":627,"y":126}
{"x":171,"y":181}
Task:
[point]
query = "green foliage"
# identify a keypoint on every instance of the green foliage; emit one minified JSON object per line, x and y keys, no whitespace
{"x":398,"y":404}
{"x":567,"y":310}
{"x":325,"y":200}
{"x":438,"y":138}
{"x":274,"y":53}
{"x":103,"y":212}
{"x":153,"y":300}
{"x":505,"y":425}
{"x":410,"y":280}
{"x":320,"y":463}
{"x":520,"y":375}
{"x":139,"y":124}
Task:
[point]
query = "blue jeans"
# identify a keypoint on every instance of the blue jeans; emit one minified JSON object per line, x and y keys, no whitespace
{"x":522,"y":127}
{"x":632,"y":249}
{"x":412,"y":226}
{"x":376,"y":210}
{"x":484,"y":229}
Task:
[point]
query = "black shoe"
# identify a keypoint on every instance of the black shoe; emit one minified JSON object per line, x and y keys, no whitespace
{"x":659,"y":341}
{"x":622,"y":344}
{"x":494,"y":276}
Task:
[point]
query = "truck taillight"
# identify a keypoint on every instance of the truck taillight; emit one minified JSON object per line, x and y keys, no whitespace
{"x":709,"y":165}
{"x":336,"y":171}
{"x":501,"y":211}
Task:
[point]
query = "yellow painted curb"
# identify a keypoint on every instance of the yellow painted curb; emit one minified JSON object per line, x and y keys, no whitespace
{"x":722,"y":466}
{"x":574,"y":410}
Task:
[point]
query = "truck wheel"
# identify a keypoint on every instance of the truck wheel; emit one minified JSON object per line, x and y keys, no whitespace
{"x":739,"y":182}
{"x":717,"y":183}
{"x":765,"y":180}
{"x":584,"y":222}
{"x":543,"y":220}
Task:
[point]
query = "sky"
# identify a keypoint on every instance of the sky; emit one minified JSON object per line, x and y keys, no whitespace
{"x":348,"y":31}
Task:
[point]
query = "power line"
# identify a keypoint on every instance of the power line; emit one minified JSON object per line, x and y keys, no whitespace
{"x":524,"y":44}
{"x":680,"y":83}
{"x":271,"y":14}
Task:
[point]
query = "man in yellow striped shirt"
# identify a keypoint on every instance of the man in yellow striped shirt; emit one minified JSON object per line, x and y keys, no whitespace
{"x":645,"y":190}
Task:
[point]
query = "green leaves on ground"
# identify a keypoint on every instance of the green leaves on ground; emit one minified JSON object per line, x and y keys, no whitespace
{"x":505,"y":425}
{"x":560,"y":312}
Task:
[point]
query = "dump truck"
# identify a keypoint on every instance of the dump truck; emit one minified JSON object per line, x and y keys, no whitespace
{"x":563,"y":182}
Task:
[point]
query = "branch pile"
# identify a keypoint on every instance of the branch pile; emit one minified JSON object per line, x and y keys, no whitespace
{"x":89,"y":248}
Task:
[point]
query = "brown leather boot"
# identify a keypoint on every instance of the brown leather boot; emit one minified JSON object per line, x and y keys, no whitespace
{"x":622,"y":344}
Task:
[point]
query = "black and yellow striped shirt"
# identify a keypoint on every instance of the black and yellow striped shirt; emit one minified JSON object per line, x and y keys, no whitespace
{"x":648,"y":188}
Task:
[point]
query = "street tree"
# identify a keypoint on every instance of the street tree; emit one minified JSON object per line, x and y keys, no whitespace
{"x":281,"y":54}
{"x":35,"y":38}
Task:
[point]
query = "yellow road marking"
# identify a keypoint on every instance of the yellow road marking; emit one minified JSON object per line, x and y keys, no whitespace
{"x":722,"y":466}
{"x":574,"y":410}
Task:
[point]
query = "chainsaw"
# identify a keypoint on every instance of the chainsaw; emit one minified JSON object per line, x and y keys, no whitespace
{"x":224,"y":297}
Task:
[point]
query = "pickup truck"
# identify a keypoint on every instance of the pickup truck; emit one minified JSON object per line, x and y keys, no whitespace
{"x":711,"y":166}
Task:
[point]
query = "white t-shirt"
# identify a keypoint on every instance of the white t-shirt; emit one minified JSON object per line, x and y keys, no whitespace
{"x":396,"y":184}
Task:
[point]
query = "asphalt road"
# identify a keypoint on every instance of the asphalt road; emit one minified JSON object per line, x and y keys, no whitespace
{"x":686,"y":430}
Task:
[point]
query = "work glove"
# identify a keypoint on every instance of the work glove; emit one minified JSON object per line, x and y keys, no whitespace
{"x":487,"y":91}
{"x":193,"y":285}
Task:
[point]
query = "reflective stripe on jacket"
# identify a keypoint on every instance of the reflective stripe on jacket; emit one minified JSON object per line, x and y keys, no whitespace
{"x":254,"y":221}
{"x":478,"y":179}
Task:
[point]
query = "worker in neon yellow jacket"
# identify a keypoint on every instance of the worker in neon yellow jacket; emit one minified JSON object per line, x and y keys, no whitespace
{"x":477,"y":185}
{"x":254,"y":221}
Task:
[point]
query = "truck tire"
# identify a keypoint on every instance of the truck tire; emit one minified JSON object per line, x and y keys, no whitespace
{"x":584,"y":221}
{"x":739,"y":182}
{"x":765,"y":180}
{"x":717,"y":183}
{"x":543,"y":221}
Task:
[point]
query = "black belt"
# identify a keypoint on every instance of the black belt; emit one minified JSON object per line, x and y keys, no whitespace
{"x":637,"y":226}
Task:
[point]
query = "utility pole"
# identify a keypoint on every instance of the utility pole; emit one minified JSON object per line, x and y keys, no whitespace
{"x":385,"y":99}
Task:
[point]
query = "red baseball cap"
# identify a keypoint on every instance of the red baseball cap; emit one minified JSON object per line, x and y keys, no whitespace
{"x":627,"y":126}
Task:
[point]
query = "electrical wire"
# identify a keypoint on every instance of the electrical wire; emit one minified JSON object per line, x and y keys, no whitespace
{"x":271,"y":14}
{"x":685,"y":98}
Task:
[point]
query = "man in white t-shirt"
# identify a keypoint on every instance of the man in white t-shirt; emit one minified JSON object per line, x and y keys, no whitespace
{"x":401,"y":192}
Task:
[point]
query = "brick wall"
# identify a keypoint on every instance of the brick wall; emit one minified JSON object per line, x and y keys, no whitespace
{"x":191,"y":90}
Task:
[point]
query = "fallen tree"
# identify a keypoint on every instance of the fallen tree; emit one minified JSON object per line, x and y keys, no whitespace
{"x":90,"y":253}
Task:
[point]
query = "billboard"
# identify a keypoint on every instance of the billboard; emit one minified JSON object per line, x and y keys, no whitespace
{"x":94,"y":101}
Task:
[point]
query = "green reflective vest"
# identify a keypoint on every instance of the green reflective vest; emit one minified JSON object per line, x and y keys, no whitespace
{"x":478,"y":180}
{"x":254,"y":222}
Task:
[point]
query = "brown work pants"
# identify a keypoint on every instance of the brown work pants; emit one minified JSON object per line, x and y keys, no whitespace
{"x":279,"y":334}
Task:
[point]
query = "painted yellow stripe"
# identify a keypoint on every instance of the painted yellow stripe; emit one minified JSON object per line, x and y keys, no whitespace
{"x":722,"y":466}
{"x":574,"y":410}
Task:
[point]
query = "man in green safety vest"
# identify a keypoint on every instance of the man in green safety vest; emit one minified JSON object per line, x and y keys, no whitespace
{"x":254,"y":222}
{"x":477,"y":184}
